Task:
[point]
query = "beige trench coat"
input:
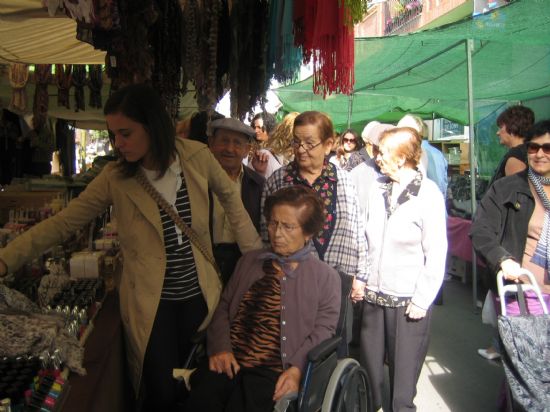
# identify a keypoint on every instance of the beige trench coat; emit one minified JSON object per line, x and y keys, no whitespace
{"x":141,"y":238}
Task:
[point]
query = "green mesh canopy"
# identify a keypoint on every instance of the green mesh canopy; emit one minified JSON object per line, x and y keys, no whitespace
{"x":426,"y":72}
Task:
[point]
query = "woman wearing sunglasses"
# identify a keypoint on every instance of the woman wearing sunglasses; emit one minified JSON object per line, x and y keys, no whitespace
{"x":347,"y":155}
{"x":512,"y":225}
{"x":513,"y":125}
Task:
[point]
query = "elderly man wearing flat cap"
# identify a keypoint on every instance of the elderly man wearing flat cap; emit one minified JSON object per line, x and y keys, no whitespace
{"x":230,"y":141}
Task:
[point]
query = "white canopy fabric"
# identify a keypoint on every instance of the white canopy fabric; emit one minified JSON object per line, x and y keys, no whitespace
{"x":29,"y":35}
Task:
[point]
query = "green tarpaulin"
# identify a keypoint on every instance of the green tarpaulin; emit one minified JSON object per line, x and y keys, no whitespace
{"x":426,"y":72}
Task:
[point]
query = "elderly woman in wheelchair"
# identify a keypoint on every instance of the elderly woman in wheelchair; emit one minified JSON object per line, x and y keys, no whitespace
{"x":279,"y":304}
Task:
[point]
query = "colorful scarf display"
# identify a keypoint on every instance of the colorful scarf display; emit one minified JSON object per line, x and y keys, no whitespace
{"x":324,"y":31}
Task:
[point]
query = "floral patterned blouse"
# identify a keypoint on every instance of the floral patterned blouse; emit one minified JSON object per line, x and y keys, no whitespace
{"x":325,"y":186}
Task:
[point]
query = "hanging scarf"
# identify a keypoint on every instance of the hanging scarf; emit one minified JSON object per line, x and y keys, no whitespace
{"x":95,"y":83}
{"x":79,"y":81}
{"x":63,"y":79}
{"x":19,"y":76}
{"x":541,"y":257}
{"x":42,"y":75}
{"x":412,"y":189}
{"x":324,"y":31}
{"x":286,"y":261}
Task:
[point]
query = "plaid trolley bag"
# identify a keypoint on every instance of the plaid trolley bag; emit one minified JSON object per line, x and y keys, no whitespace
{"x":526,"y":347}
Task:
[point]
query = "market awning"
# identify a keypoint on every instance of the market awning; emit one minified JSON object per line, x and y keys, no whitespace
{"x":29,"y":35}
{"x":426,"y":72}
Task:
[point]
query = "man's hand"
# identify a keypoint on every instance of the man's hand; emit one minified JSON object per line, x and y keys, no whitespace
{"x":288,"y":382}
{"x":259,"y":162}
{"x":511,"y":270}
{"x":224,"y":362}
{"x":414,"y":312}
{"x":358,"y":290}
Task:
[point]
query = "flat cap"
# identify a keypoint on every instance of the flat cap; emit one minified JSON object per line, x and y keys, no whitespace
{"x":372,"y":131}
{"x":230,"y":124}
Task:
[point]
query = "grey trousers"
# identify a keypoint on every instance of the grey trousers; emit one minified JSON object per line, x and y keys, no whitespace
{"x":386,"y":333}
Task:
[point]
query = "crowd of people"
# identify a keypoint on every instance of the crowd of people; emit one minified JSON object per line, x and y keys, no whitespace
{"x":270,"y":227}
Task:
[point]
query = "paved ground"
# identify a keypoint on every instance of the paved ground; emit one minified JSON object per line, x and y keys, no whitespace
{"x":454,"y":377}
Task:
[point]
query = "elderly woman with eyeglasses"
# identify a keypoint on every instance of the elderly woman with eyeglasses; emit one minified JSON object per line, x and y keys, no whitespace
{"x":511,"y":228}
{"x":407,"y":240}
{"x":341,"y":242}
{"x":277,"y":306}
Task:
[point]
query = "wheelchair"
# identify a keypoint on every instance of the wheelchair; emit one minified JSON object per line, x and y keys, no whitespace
{"x":329,"y":384}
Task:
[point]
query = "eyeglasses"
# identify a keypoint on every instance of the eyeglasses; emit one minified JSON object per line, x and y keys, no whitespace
{"x":347,"y":140}
{"x":533,"y":148}
{"x":285,"y":227}
{"x":296,"y":144}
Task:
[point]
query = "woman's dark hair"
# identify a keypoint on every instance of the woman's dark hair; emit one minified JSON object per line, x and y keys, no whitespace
{"x":318,"y":119}
{"x":312,"y":216}
{"x":142,"y":104}
{"x":539,"y":129}
{"x":198,"y":125}
{"x":269,"y":121}
{"x":517,"y":119}
{"x":358,"y":141}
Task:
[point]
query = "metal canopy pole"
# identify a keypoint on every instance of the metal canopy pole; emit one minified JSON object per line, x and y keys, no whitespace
{"x":350,"y":109}
{"x":473,"y":164}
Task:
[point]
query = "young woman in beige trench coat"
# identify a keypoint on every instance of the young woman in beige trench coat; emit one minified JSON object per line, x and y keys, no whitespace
{"x":144,"y":137}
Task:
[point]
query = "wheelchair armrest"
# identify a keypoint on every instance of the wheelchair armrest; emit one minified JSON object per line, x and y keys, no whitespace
{"x":283,"y":404}
{"x":324,"y":349}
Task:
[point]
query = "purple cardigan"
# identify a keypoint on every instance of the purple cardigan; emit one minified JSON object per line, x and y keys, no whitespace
{"x":310,"y":306}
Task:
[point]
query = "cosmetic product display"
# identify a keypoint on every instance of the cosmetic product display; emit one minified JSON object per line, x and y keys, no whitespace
{"x":16,"y":376}
{"x":45,"y":394}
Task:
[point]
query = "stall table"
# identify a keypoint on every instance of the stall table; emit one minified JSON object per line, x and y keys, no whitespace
{"x":106,"y":386}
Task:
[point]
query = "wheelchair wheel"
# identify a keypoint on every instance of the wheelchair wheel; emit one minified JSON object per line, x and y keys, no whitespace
{"x":348,"y":389}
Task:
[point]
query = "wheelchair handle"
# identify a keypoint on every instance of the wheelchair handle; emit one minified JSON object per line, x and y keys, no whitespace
{"x":513,"y":288}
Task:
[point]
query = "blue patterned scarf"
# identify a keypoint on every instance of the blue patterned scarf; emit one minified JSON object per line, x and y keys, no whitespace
{"x":541,"y":257}
{"x":286,"y":261}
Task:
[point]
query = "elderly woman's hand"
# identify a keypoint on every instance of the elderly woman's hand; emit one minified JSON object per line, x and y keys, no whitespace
{"x":288,"y":382}
{"x":414,"y":312}
{"x":224,"y":362}
{"x":511,"y":269}
{"x":358,"y":290}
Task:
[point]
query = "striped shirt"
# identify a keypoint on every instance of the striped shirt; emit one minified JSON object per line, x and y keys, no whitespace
{"x":180,"y":279}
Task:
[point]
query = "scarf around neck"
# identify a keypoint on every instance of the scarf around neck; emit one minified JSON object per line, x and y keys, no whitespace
{"x":412,"y":189}
{"x":286,"y":261}
{"x":541,"y":256}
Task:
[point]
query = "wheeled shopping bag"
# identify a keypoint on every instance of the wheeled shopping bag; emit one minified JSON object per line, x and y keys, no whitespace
{"x":526,"y":347}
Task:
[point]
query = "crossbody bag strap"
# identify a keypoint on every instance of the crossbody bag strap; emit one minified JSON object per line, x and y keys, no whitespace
{"x":170,"y":211}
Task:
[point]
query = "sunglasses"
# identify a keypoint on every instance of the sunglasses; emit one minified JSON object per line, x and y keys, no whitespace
{"x":346,"y":140}
{"x":533,"y":148}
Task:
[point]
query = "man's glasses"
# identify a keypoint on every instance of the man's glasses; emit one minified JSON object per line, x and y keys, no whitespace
{"x":285,"y":227}
{"x":346,"y":140}
{"x":296,"y":144}
{"x":533,"y":148}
